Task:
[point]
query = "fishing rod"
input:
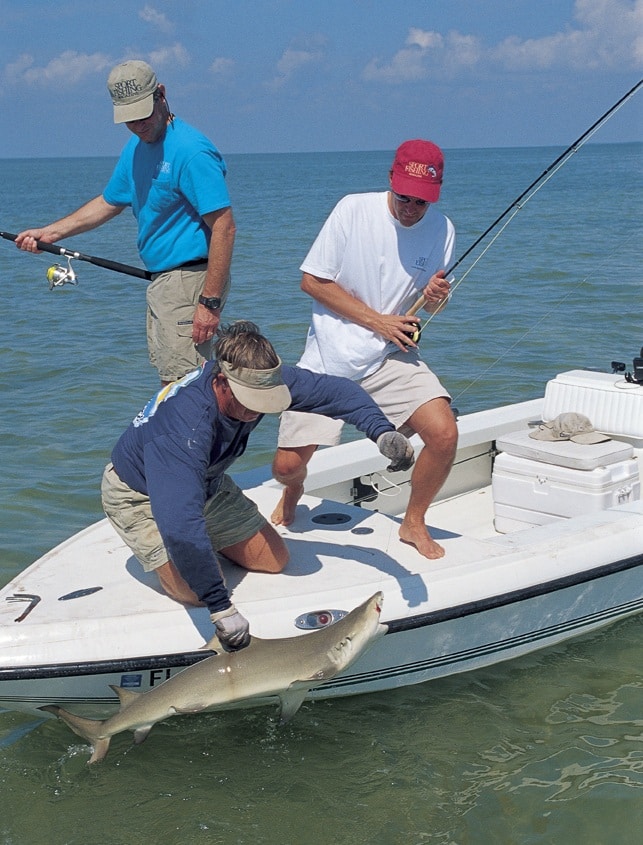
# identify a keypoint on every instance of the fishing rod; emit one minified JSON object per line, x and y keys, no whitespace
{"x":59,"y":275}
{"x":534,"y":188}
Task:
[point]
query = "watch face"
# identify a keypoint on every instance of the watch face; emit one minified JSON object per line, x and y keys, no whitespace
{"x":210,"y":301}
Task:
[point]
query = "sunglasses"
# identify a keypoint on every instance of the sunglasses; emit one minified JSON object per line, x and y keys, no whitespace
{"x":404,"y":199}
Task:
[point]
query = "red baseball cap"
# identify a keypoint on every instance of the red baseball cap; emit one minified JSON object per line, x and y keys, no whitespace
{"x":417,"y":170}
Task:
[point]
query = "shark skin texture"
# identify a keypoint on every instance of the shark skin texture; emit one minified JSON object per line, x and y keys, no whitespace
{"x":287,"y":668}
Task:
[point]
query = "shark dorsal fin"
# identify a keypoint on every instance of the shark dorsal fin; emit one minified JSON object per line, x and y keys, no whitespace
{"x":125,"y":696}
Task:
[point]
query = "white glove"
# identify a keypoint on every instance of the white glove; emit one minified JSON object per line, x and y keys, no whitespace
{"x":395,"y":446}
{"x":233,"y":629}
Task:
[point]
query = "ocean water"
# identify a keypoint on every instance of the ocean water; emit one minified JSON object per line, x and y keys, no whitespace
{"x":547,"y":749}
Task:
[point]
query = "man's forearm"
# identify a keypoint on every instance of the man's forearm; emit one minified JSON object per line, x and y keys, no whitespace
{"x":220,"y":254}
{"x":336,"y":299}
{"x":89,"y":216}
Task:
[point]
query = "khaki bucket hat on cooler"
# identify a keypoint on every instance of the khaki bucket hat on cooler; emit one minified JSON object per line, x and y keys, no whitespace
{"x":569,"y":426}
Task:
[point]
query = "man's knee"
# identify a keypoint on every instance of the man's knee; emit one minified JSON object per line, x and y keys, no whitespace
{"x":279,"y":559}
{"x":448,"y":434}
{"x":436,"y":425}
{"x":289,"y":465}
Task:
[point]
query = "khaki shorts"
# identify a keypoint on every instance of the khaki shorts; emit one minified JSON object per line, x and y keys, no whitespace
{"x":400,"y":386}
{"x":171,"y":300}
{"x":230,"y":518}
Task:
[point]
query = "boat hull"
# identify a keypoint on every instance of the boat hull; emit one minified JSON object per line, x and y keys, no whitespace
{"x":416,"y":649}
{"x":86,"y":616}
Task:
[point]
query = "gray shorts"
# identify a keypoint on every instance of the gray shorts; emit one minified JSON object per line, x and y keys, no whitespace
{"x":400,"y":386}
{"x":171,"y":300}
{"x":230,"y":518}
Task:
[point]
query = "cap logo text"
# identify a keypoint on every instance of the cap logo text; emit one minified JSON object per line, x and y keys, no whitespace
{"x":420,"y":170}
{"x":126,"y":88}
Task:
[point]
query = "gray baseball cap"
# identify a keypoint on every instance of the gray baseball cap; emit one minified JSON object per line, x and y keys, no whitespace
{"x":131,"y":86}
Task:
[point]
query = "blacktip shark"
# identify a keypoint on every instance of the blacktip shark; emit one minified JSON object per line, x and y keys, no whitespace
{"x":286,"y":668}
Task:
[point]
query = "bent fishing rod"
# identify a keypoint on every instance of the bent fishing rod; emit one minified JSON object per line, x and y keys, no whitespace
{"x":59,"y":275}
{"x":527,"y":194}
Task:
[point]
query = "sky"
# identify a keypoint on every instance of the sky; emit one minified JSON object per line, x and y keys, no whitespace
{"x":324,"y":75}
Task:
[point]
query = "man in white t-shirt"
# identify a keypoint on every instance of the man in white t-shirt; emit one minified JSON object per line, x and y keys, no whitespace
{"x":376,"y":254}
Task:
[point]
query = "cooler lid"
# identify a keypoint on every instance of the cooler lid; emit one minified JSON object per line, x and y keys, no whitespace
{"x":564,"y":453}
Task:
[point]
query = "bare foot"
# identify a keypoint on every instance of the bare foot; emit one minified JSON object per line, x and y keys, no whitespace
{"x":284,"y":513}
{"x":418,"y":536}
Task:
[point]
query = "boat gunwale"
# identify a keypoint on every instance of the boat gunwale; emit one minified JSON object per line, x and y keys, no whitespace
{"x":395,"y":626}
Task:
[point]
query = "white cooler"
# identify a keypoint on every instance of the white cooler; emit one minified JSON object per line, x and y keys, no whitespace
{"x":535,"y":481}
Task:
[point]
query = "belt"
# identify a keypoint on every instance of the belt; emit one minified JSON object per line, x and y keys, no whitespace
{"x":193,"y":263}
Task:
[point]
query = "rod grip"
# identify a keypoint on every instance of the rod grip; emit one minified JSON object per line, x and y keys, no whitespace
{"x":54,"y":250}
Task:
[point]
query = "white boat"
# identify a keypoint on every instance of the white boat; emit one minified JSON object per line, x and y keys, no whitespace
{"x":544,"y":542}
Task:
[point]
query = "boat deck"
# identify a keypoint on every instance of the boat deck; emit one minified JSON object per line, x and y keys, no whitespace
{"x":86,"y":615}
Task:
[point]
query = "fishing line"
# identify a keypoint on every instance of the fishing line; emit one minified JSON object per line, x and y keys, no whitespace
{"x":395,"y":488}
{"x":518,"y":203}
{"x":556,"y":306}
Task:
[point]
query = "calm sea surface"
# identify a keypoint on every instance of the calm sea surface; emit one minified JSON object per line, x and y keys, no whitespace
{"x":547,"y":749}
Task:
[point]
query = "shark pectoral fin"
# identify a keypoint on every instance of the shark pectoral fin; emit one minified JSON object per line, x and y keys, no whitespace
{"x":140,"y":734}
{"x":291,"y":700}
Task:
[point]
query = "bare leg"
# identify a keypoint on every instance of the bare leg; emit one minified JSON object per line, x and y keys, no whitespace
{"x":175,"y":585}
{"x":435,"y":423}
{"x":265,"y":551}
{"x":289,"y":468}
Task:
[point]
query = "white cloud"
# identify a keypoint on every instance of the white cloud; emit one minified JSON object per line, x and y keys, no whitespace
{"x":296,"y":57}
{"x":176,"y":54}
{"x":425,"y":40}
{"x":150,"y":15}
{"x":423,"y":53}
{"x":221,"y":65}
{"x":69,"y":67}
{"x":406,"y":65}
{"x":606,"y":34}
{"x":609,"y":34}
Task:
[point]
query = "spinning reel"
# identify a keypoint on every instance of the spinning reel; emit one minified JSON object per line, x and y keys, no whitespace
{"x":58,"y":275}
{"x":416,"y":334}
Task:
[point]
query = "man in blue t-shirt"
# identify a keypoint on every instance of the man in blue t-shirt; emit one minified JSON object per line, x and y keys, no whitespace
{"x":173,"y":179}
{"x":167,"y":492}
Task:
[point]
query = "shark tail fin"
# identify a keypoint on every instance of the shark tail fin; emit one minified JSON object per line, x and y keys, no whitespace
{"x":89,"y":729}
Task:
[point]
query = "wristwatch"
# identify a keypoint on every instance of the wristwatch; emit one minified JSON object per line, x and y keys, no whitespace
{"x":211,"y":302}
